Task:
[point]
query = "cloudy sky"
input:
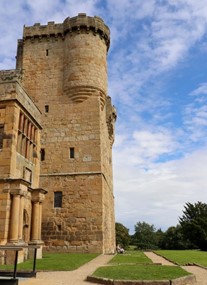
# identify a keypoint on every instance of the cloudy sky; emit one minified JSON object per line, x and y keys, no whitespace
{"x":157,"y":66}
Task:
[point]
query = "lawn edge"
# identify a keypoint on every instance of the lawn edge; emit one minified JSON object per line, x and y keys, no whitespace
{"x":190,"y":279}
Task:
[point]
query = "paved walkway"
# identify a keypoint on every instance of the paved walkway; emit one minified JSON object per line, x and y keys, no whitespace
{"x":75,"y":277}
{"x":200,"y":273}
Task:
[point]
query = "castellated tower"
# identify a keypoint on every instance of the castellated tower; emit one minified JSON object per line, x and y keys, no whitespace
{"x":65,"y":73}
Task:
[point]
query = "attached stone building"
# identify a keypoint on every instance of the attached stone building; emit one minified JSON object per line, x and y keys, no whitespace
{"x":20,"y":196}
{"x":63,"y":68}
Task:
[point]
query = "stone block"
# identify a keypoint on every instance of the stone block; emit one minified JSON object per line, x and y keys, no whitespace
{"x":186,"y":280}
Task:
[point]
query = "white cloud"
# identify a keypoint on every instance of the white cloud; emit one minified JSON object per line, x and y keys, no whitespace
{"x":202,"y":89}
{"x":158,"y":195}
{"x":195,"y":115}
{"x":143,"y":147}
{"x":153,"y":144}
{"x":158,"y":43}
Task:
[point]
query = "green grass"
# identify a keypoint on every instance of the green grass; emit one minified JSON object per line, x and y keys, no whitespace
{"x":132,"y":266}
{"x":183,"y":257}
{"x":131,"y":257}
{"x":55,"y":262}
{"x":140,"y":272}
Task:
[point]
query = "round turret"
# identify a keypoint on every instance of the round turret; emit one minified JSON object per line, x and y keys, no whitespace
{"x":85,"y":66}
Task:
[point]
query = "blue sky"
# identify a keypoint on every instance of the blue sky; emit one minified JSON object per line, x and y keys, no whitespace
{"x":158,"y":82}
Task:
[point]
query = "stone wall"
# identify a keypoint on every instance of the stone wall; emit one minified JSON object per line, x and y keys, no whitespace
{"x":65,"y":72}
{"x":19,"y":167}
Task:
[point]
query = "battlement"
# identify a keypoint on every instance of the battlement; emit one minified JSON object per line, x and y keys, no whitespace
{"x":78,"y":24}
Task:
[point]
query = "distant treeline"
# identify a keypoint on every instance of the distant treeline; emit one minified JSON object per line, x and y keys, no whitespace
{"x":190,"y":233}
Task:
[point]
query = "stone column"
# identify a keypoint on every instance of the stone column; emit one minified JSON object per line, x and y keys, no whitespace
{"x":38,"y":196}
{"x":14,"y":222}
{"x":35,"y":221}
{"x":40,"y":222}
{"x":21,"y":214}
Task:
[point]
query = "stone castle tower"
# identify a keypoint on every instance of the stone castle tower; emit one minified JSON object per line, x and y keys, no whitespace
{"x":64,"y":71}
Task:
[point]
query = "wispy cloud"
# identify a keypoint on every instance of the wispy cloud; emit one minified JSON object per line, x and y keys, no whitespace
{"x":165,"y":35}
{"x":159,"y":194}
{"x":201,"y":90}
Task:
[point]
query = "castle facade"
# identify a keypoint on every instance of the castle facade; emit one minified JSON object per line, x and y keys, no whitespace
{"x":56,"y":137}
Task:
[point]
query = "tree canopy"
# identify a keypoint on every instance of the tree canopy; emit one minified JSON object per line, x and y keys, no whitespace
{"x":145,"y":237}
{"x":122,"y":235}
{"x":194,"y":224}
{"x":190,"y":233}
{"x":174,"y":239}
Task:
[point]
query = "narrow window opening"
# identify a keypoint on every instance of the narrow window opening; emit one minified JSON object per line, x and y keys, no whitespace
{"x":47,"y":52}
{"x":42,"y":154}
{"x":46,"y":108}
{"x":1,"y":136}
{"x":59,"y":227}
{"x":26,"y":144}
{"x":72,"y":152}
{"x":58,"y":199}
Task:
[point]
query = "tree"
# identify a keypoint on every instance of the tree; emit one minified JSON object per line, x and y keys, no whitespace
{"x":174,"y":239}
{"x":122,"y":235}
{"x":145,"y":236}
{"x":194,"y":224}
{"x":160,"y":235}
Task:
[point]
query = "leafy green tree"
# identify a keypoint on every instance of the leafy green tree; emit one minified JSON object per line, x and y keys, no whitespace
{"x":174,"y":239}
{"x":122,"y":235}
{"x":194,"y":224}
{"x":159,"y":236}
{"x":145,"y":236}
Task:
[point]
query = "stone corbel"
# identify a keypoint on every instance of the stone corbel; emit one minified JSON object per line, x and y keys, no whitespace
{"x":38,"y":194}
{"x":16,"y":186}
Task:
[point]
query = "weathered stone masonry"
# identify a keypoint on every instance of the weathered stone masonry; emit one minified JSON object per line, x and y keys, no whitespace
{"x":20,"y":196}
{"x":64,"y":71}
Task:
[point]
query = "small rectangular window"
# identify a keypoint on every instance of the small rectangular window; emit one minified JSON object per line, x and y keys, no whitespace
{"x":72,"y":152}
{"x":1,"y":136}
{"x":58,"y":199}
{"x":42,"y":154}
{"x":47,"y":52}
{"x":46,"y":108}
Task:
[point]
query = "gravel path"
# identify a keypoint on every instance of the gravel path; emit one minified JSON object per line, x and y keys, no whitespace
{"x":75,"y":277}
{"x":200,"y":273}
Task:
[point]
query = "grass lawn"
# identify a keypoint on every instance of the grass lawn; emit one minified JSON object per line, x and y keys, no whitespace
{"x":183,"y":257}
{"x":140,"y":272}
{"x":132,"y":266}
{"x":55,"y":262}
{"x":131,"y":257}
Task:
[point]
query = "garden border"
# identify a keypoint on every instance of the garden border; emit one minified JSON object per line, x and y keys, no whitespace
{"x":186,"y":280}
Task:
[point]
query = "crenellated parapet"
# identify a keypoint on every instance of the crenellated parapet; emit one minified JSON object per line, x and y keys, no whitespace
{"x":79,"y":24}
{"x":87,"y":24}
